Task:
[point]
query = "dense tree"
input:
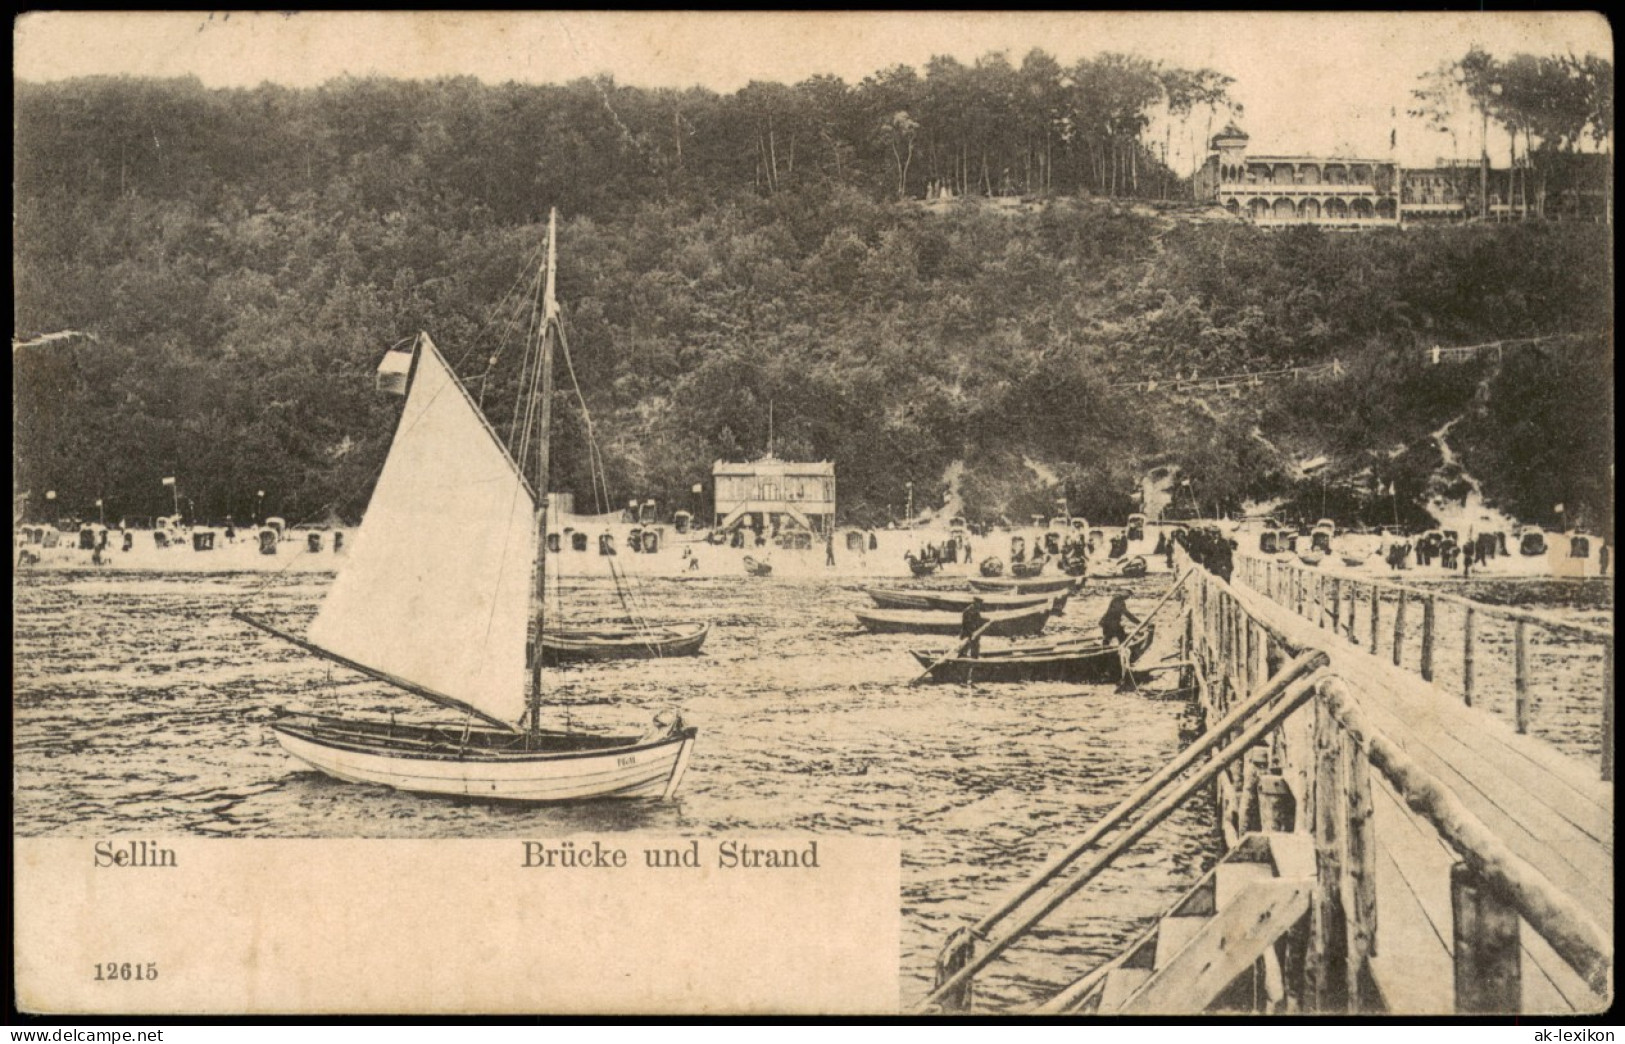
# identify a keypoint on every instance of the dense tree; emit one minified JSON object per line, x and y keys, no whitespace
{"x":244,"y":257}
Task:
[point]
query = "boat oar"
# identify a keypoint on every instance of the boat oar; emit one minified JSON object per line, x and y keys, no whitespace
{"x":1157,"y":608}
{"x":1125,"y":651}
{"x":957,"y":652}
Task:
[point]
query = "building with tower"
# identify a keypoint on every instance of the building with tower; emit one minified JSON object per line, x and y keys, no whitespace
{"x":1340,"y":192}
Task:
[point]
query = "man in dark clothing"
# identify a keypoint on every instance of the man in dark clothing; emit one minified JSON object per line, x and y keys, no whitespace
{"x":1111,"y":625}
{"x":971,"y":622}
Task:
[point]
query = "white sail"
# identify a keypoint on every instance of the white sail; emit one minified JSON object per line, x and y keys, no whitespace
{"x":437,"y":587}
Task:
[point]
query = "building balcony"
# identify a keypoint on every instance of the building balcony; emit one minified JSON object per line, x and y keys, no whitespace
{"x":1266,"y":188}
{"x":1324,"y":222}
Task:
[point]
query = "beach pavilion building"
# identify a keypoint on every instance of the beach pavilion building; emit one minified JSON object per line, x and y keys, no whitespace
{"x":773,"y":494}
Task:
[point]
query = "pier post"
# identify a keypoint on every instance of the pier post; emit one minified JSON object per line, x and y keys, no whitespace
{"x":1520,"y":675}
{"x":1467,"y":657}
{"x":1277,"y":808}
{"x":1427,"y":638}
{"x":1337,"y":605}
{"x":1608,"y":711}
{"x":1252,"y":775}
{"x":1360,"y":892}
{"x":1399,"y":630}
{"x":1190,"y":628}
{"x":1486,"y":952}
{"x":1328,"y":931}
{"x":1376,"y":616}
{"x":1260,"y":653}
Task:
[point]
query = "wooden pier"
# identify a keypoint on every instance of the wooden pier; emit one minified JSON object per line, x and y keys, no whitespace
{"x":1392,"y":846}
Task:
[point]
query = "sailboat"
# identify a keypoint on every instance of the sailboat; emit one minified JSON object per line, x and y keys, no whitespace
{"x":442,"y":598}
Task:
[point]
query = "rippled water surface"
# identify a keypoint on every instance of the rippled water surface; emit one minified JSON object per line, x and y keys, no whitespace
{"x":141,"y":707}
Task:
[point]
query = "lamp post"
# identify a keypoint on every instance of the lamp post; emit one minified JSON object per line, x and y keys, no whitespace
{"x":259,"y":508}
{"x":909,"y":518}
{"x":101,"y":511}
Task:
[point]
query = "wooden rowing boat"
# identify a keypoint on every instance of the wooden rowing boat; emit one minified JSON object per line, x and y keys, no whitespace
{"x":623,"y":643}
{"x":1083,"y":662}
{"x":1038,"y":585}
{"x":958,"y":601}
{"x":1011,"y":624}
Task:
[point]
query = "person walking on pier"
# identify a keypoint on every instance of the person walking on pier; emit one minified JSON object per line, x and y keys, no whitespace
{"x":971,"y":622}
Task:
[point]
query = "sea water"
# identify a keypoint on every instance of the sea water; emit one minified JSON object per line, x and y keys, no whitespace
{"x":141,"y":706}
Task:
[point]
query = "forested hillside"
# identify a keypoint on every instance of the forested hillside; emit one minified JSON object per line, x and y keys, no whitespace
{"x":244,"y":257}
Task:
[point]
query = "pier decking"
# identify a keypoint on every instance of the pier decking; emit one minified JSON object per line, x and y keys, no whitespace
{"x":1391,"y":848}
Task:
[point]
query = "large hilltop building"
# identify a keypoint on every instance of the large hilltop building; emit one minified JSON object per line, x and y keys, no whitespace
{"x":1297,"y":190}
{"x":770,"y":493}
{"x":1368,"y":193}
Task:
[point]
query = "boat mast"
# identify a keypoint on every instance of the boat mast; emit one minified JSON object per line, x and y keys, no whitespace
{"x":542,"y":401}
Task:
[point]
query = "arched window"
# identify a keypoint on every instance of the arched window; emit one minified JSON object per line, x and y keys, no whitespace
{"x":1336,"y":210}
{"x":1310,"y":173}
{"x":1284,"y":210}
{"x":1385,"y":209}
{"x":1258,"y":209}
{"x":1310,"y":211}
{"x":1361,"y":210}
{"x":1283,"y":174}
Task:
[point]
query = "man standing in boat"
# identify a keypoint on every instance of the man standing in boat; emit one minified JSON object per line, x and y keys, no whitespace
{"x":971,"y":623}
{"x":1111,"y":624}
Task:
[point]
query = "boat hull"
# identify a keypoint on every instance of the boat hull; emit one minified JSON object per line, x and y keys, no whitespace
{"x":1041,"y":585}
{"x":957,"y":601}
{"x":1086,"y":663}
{"x":626,"y":643}
{"x":438,"y":760}
{"x":1013,"y":624}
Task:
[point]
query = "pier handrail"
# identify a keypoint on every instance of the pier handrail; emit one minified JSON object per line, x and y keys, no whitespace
{"x":1301,"y":590}
{"x":1295,"y":695}
{"x":1589,"y":632}
{"x":1555,"y":916}
{"x":1309,"y":661}
{"x":1572,"y":933}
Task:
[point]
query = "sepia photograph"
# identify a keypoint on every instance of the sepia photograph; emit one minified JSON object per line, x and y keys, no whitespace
{"x":889,"y":514}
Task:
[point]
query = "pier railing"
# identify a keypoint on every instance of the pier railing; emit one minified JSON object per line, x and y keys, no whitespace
{"x":1488,"y":856}
{"x":1547,"y":676}
{"x":1462,"y":831}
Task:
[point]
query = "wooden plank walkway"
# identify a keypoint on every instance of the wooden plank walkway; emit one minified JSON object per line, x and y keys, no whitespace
{"x":1548,"y":809}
